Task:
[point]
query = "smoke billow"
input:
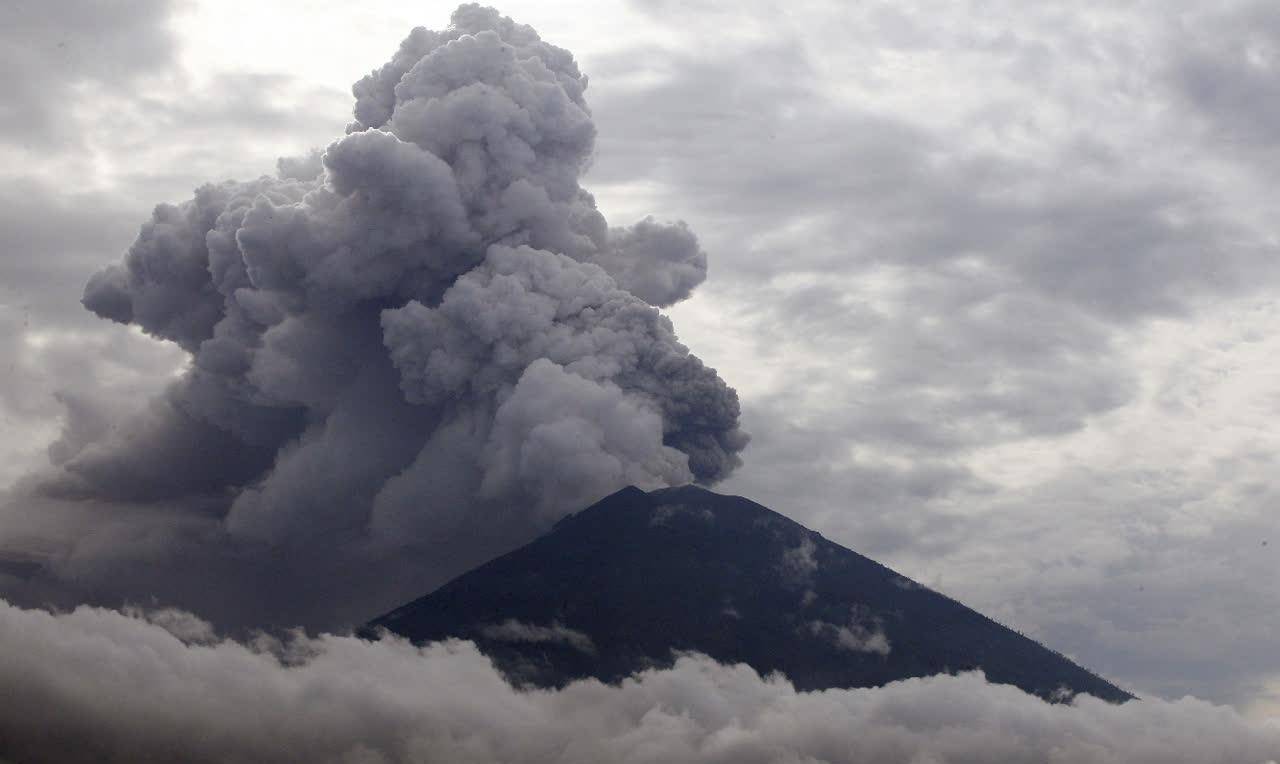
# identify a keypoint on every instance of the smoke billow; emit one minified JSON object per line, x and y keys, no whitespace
{"x":100,"y":685}
{"x":408,"y":351}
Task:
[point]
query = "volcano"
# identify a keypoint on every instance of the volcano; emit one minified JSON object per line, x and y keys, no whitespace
{"x":638,"y":578}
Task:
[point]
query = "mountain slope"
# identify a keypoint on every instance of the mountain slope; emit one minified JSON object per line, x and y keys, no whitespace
{"x":620,"y":585}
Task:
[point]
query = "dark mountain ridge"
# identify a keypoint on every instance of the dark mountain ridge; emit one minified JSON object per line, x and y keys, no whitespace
{"x":636,"y":578}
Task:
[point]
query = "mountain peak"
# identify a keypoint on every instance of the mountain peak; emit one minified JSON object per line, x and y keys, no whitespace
{"x":638,"y":577}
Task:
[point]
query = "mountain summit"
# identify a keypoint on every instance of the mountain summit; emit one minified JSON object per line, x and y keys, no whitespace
{"x":638,"y":577}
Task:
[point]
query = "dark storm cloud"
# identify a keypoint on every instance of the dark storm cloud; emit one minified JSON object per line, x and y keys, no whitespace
{"x":978,"y":293}
{"x":954,"y":291}
{"x":1224,"y":64}
{"x":51,"y":51}
{"x":1079,"y":227}
{"x":96,"y":685}
{"x":392,"y":346}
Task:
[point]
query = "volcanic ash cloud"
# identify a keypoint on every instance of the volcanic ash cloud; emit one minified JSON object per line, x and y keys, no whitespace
{"x":424,"y":341}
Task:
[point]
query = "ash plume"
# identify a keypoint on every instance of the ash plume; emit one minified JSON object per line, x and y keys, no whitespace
{"x":409,"y":351}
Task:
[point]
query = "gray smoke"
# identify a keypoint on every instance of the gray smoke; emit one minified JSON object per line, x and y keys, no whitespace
{"x":104,"y":686}
{"x":409,"y":351}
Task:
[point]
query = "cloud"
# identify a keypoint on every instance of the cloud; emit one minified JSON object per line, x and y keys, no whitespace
{"x":392,"y":344}
{"x":188,"y":628}
{"x":660,"y":264}
{"x":58,"y":48}
{"x":1223,"y":66}
{"x":853,"y":636}
{"x":798,"y":563}
{"x":974,"y":286}
{"x":958,"y":255}
{"x":57,"y":357}
{"x":512,"y":630}
{"x":100,"y":685}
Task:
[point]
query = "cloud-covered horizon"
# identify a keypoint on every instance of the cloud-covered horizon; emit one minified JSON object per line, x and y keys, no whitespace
{"x":100,"y":685}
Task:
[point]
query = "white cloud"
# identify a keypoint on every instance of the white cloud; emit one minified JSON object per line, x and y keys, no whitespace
{"x":98,"y":685}
{"x":854,"y":637}
{"x":512,"y":630}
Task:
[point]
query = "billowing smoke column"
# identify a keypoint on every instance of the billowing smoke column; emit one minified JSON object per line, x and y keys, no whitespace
{"x":425,"y":337}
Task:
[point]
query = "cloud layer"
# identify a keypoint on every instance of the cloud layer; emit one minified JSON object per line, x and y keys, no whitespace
{"x":996,"y":281}
{"x":99,"y":685}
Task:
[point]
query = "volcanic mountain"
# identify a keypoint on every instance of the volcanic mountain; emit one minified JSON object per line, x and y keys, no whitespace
{"x":638,"y":577}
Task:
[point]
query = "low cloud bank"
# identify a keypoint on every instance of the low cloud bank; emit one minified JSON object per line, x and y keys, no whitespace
{"x":104,"y":685}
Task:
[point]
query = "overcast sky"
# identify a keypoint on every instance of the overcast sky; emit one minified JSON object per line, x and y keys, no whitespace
{"x":994,"y":280}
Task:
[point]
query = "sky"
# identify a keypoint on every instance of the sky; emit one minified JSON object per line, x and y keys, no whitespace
{"x":992,"y":281}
